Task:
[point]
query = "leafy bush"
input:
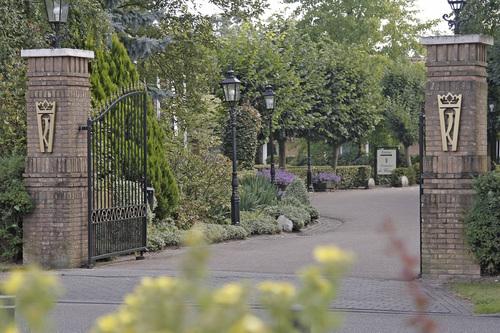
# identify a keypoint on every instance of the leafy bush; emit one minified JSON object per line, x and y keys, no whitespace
{"x":416,"y":168}
{"x":204,"y":180}
{"x":14,"y":203}
{"x":256,"y":192}
{"x":299,"y":216}
{"x":248,"y":124}
{"x":289,"y":201}
{"x":163,"y":234}
{"x":257,"y":223}
{"x":297,"y":190}
{"x":399,"y":172}
{"x":482,"y":223}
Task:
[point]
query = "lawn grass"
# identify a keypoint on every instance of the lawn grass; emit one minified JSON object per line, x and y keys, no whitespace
{"x":484,"y":295}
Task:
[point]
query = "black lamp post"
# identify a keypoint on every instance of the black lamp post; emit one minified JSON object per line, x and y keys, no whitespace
{"x":57,"y":13}
{"x":269,"y":98}
{"x":493,"y":135}
{"x":231,"y":87}
{"x":309,"y":170}
{"x":456,"y":6}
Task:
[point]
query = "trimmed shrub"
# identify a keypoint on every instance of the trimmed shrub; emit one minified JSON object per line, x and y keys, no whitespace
{"x":14,"y":203}
{"x":256,"y":192}
{"x":399,"y":172}
{"x":482,"y":223}
{"x":297,"y":214}
{"x":248,"y":124}
{"x":297,"y":190}
{"x":313,"y":212}
{"x":257,"y":223}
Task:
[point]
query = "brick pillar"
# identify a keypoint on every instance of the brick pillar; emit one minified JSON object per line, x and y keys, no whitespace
{"x":456,"y":65}
{"x":55,"y":233}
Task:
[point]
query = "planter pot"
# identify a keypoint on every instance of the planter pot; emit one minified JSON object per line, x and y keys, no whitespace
{"x":325,"y":186}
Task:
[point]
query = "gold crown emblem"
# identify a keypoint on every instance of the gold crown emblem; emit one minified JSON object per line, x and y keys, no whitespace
{"x":450,"y":100}
{"x":45,"y":105}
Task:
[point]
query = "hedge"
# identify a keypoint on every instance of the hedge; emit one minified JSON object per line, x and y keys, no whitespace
{"x":352,"y":176}
{"x":399,"y":172}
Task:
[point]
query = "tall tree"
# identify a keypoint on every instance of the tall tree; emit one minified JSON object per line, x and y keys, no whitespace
{"x":404,"y":86}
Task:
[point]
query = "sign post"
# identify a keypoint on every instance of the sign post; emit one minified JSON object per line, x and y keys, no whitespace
{"x":385,"y":161}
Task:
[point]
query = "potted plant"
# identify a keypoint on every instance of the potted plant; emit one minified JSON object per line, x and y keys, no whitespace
{"x":325,"y":181}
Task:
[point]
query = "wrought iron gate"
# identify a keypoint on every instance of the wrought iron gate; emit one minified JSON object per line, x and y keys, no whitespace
{"x":117,"y":157}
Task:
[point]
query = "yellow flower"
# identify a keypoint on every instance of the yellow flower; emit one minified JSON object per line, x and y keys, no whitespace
{"x":249,"y":324}
{"x":107,"y":323}
{"x":14,"y":283}
{"x":332,"y":255}
{"x":131,"y":300}
{"x":283,"y":289}
{"x":194,"y":237}
{"x":11,"y":329}
{"x":230,"y":294}
{"x":165,"y":282}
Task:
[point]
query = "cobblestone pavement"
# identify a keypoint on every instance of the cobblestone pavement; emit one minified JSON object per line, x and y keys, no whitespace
{"x":372,"y":298}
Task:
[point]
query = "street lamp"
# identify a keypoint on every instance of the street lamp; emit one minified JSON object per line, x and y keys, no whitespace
{"x":231,"y":87}
{"x":57,"y":13}
{"x":309,"y":160}
{"x":269,"y":98}
{"x":456,"y":6}
{"x":493,"y":135}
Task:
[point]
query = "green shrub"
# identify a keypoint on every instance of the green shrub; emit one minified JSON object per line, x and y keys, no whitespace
{"x":163,"y":234}
{"x":14,"y":203}
{"x":216,"y":233}
{"x":205,"y":184}
{"x":257,"y":223}
{"x":299,"y":216}
{"x":399,"y":172}
{"x":416,"y":169}
{"x":482,"y":223}
{"x":289,"y":201}
{"x":256,"y":192}
{"x":352,"y":176}
{"x":297,"y":190}
{"x":248,"y":124}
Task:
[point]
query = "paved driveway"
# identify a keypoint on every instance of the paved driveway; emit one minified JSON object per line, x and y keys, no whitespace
{"x":373,"y":297}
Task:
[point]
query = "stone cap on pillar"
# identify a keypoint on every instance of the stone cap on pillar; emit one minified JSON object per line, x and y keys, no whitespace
{"x":45,"y":53}
{"x":457,"y":39}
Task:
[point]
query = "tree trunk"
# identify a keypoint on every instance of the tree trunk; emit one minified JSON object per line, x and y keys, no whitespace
{"x":282,"y":152}
{"x":335,"y":155}
{"x":407,"y":155}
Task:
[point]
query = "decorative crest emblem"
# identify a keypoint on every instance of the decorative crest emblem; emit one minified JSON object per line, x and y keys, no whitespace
{"x":450,"y":107}
{"x":46,"y":116}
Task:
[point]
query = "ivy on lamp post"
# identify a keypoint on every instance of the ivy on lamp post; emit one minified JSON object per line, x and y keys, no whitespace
{"x":231,"y":87}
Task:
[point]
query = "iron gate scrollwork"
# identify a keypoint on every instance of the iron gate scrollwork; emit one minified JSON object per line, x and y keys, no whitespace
{"x":117,"y":182}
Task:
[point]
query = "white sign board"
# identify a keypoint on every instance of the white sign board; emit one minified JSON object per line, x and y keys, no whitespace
{"x":386,"y":161}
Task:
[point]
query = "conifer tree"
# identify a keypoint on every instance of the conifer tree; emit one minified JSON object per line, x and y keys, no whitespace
{"x":113,"y":70}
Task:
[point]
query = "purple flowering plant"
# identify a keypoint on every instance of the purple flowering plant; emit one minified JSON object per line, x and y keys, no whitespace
{"x":282,"y":177}
{"x":324,"y":177}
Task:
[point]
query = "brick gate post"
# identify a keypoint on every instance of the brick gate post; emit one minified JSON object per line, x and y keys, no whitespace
{"x":58,"y":102}
{"x":455,"y":153}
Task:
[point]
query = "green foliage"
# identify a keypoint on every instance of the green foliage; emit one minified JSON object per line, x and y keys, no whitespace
{"x":258,"y":223}
{"x":14,"y":203}
{"x":482,"y":223}
{"x":247,"y":126}
{"x":256,"y":192}
{"x":216,"y":233}
{"x":291,"y":201}
{"x":399,"y":172}
{"x":297,"y":190}
{"x":299,"y":216}
{"x":204,"y":181}
{"x":163,"y":234}
{"x":351,"y":176}
{"x":404,"y":87}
